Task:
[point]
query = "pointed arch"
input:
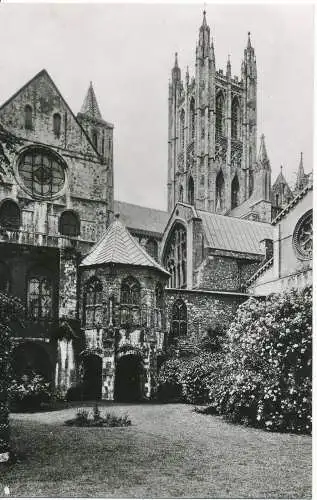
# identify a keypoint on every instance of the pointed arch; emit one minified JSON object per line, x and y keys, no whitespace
{"x":178,"y":320}
{"x":235,"y":192}
{"x":175,"y":256}
{"x":220,"y":191}
{"x":28,"y":117}
{"x":235,"y":118}
{"x":130,"y":301}
{"x":57,"y":121}
{"x":93,"y":303}
{"x":192,"y":118}
{"x":220,"y":129}
{"x":191,"y":191}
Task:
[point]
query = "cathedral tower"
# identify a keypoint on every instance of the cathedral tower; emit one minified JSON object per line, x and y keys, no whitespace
{"x":212,"y":131}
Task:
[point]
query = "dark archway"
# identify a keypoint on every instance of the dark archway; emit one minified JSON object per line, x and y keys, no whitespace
{"x":92,"y":380}
{"x":31,"y":358}
{"x":129,"y":381}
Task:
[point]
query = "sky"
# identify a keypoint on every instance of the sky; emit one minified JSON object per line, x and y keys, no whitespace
{"x":127,"y":51}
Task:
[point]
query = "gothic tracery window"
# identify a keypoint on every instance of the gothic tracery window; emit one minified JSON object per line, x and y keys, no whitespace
{"x":235,"y":119}
{"x":178,"y":320}
{"x":42,"y":172}
{"x":235,"y":192}
{"x":220,"y":130}
{"x":152,"y":248}
{"x":130,"y":302}
{"x":40,"y":295}
{"x":303,"y":236}
{"x":175,"y":259}
{"x":10,"y":214}
{"x":94,"y":308}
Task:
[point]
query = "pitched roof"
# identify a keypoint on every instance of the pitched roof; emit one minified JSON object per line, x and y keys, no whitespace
{"x":117,"y":246}
{"x":90,"y":105}
{"x":280,"y":179}
{"x":233,"y":234}
{"x":143,"y":219}
{"x":293,"y":202}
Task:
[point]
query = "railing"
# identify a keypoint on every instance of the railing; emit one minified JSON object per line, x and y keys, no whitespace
{"x":35,"y":238}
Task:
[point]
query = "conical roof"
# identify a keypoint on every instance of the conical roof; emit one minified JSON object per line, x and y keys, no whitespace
{"x":90,"y":105}
{"x":117,"y":246}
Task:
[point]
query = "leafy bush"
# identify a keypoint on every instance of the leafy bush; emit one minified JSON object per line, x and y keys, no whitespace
{"x":169,"y":380}
{"x":195,"y":377}
{"x":94,"y":418}
{"x":29,"y":393}
{"x":266,"y":378}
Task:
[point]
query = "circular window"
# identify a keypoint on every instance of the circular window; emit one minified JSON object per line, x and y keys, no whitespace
{"x":303,"y":236}
{"x":42,"y":172}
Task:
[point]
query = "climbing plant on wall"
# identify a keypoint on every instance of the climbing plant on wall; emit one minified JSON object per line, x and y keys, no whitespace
{"x":11,"y":313}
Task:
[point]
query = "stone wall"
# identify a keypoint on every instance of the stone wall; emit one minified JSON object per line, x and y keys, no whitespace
{"x":204,"y":310}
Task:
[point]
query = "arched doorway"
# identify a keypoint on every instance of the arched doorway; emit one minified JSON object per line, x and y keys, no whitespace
{"x":129,"y":381}
{"x":31,"y":358}
{"x":92,"y":379}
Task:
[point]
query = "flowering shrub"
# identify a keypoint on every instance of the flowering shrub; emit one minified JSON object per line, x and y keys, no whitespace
{"x":265,"y":379}
{"x":29,"y":393}
{"x":94,"y":418}
{"x":195,"y":377}
{"x":169,"y":380}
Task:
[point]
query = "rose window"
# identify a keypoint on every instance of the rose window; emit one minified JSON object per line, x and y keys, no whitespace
{"x":42,"y":172}
{"x":303,"y":236}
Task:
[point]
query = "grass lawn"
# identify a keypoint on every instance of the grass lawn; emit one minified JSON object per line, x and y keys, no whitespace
{"x":169,"y":451}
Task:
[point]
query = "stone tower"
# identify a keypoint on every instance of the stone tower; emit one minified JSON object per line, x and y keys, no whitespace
{"x":100,"y":133}
{"x":212,"y":131}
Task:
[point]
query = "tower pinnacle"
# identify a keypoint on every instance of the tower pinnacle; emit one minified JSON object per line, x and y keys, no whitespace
{"x":90,"y":105}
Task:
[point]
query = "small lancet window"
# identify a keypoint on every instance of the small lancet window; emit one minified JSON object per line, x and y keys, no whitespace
{"x":28,"y":117}
{"x":57,"y":121}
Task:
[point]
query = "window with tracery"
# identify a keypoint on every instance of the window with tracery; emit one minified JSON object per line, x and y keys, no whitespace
{"x":4,"y":278}
{"x":235,"y":192}
{"x":28,"y":117}
{"x":220,"y":114}
{"x":178,"y":320}
{"x":10,"y":215}
{"x":175,"y":260}
{"x":303,"y":236}
{"x":69,"y":223}
{"x":159,"y":306}
{"x":57,"y":121}
{"x":94,"y":307}
{"x":220,"y":192}
{"x":192,"y":118}
{"x":42,"y":172}
{"x":130,"y":302}
{"x":235,"y":119}
{"x":182,"y":128}
{"x":40,"y":296}
{"x":191,"y":191}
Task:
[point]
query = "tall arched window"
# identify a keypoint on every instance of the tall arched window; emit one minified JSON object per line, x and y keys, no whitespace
{"x":235,"y":119}
{"x":192,"y":118}
{"x":175,"y":258}
{"x":152,"y":248}
{"x":40,"y":295}
{"x":28,"y":117}
{"x":57,"y":120}
{"x":182,"y":128}
{"x":10,"y":214}
{"x":130,"y":302}
{"x":251,"y":182}
{"x":220,"y":114}
{"x":94,"y":307}
{"x":179,"y":320}
{"x":181,"y":194}
{"x":235,"y":192}
{"x":95,"y":138}
{"x":69,"y":223}
{"x":191,"y":191}
{"x":159,"y":306}
{"x":220,"y":192}
{"x":4,"y":278}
